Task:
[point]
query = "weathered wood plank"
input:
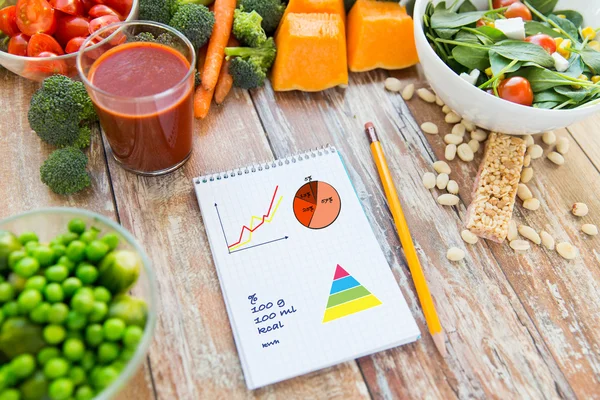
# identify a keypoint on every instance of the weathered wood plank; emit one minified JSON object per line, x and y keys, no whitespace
{"x":495,"y":351}
{"x":193,"y":355}
{"x":22,"y":153}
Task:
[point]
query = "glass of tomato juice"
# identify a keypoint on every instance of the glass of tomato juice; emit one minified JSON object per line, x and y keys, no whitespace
{"x":140,"y":77}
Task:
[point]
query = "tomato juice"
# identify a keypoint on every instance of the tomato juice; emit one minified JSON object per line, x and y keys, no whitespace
{"x":143,"y":93}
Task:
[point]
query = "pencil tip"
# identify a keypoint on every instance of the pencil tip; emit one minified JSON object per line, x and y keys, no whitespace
{"x":440,"y":342}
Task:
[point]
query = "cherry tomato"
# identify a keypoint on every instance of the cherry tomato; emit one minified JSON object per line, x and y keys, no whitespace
{"x":8,"y":21}
{"x":100,"y":10}
{"x":516,"y":90}
{"x":35,"y":16}
{"x":39,"y":69}
{"x":504,"y":3}
{"x":71,"y":26}
{"x":546,"y":41}
{"x":483,"y":22}
{"x":71,"y":7}
{"x":74,"y":44}
{"x":101,"y":22}
{"x":123,"y":7}
{"x":40,"y":43}
{"x":17,"y":44}
{"x":517,"y":10}
{"x":87,"y":4}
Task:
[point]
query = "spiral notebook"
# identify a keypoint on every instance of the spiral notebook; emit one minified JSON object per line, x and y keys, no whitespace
{"x":305,"y":282}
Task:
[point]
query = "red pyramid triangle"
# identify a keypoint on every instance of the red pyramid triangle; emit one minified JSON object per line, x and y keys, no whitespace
{"x":340,"y":273}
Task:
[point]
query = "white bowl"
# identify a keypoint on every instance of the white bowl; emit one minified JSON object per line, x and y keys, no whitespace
{"x":488,"y":111}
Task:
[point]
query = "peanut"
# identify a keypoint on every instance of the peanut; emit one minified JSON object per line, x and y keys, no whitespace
{"x":567,"y":250}
{"x":479,"y":134}
{"x":441,"y":167}
{"x":465,"y":152}
{"x":528,"y":140}
{"x":453,"y":139}
{"x":408,"y":92}
{"x":453,"y":118}
{"x":446,"y":109}
{"x":513,"y":232}
{"x":547,"y":240}
{"x":526,"y":174}
{"x":459,"y":130}
{"x":563,"y":145}
{"x":523,"y":192}
{"x":450,"y":152}
{"x":455,"y":254}
{"x":531,"y":204}
{"x":549,"y":138}
{"x":392,"y":84}
{"x":519,"y":245}
{"x":469,"y":236}
{"x":439,"y":101}
{"x":535,"y":151}
{"x":426,"y":95}
{"x":429,"y":180}
{"x":527,"y":160}
{"x":474,"y":145}
{"x":556,"y":158}
{"x":448,"y":200}
{"x":468,"y":124}
{"x":529,"y":233}
{"x":580,"y":209}
{"x":589,"y":229}
{"x":442,"y":181}
{"x":430,"y":128}
{"x":452,"y":187}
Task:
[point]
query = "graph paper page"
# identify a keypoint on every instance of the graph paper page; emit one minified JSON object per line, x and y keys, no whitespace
{"x":305,"y":281}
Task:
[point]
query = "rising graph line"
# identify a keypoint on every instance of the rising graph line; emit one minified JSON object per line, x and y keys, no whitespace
{"x":263,"y":219}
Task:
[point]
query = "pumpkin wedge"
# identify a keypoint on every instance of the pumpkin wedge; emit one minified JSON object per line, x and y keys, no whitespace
{"x":311,"y":53}
{"x":315,"y":6}
{"x":380,"y":35}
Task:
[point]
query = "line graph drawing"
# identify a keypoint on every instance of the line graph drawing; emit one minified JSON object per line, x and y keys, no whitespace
{"x":241,"y":244}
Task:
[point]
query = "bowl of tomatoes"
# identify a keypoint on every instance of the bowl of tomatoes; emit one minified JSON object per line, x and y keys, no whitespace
{"x":40,"y":38}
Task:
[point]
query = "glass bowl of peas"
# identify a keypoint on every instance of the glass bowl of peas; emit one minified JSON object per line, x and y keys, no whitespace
{"x":78,"y":303}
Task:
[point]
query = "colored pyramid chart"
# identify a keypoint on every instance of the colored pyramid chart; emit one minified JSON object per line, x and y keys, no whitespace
{"x":347,"y":296}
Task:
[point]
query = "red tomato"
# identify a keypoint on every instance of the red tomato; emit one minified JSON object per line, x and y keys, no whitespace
{"x":35,"y":16}
{"x":100,"y":10}
{"x":17,"y":44}
{"x":39,"y":70}
{"x":546,"y":41}
{"x":71,"y":7}
{"x":8,"y":21}
{"x":74,"y":44}
{"x":504,"y":3}
{"x":517,"y":10}
{"x":87,"y":4}
{"x":69,"y":27}
{"x":40,"y":43}
{"x":123,"y":7}
{"x":516,"y":90}
{"x":101,"y":22}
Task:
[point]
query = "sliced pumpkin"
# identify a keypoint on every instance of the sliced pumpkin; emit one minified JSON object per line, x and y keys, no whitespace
{"x":311,"y":53}
{"x":380,"y":35}
{"x":316,"y":6}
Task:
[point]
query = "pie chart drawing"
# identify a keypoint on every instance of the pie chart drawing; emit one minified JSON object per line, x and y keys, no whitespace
{"x":317,"y":205}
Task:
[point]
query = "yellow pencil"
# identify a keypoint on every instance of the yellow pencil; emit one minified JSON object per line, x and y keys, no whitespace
{"x":433,"y":322}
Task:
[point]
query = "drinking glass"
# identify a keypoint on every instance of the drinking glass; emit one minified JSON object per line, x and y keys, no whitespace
{"x":148,"y":124}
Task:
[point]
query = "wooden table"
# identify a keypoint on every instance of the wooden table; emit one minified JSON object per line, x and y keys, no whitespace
{"x":524,"y":326}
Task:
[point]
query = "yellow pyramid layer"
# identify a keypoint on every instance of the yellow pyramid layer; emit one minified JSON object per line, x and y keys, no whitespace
{"x":351,"y":307}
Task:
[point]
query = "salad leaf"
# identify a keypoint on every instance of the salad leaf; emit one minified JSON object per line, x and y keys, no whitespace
{"x":535,"y":27}
{"x":467,"y":6}
{"x":495,"y":34}
{"x":577,"y":95}
{"x":447,"y":20}
{"x":546,"y":105}
{"x":543,"y":6}
{"x":591,"y":58}
{"x":499,"y":63}
{"x":576,"y":66}
{"x":524,"y":51}
{"x":573,"y":16}
{"x":566,"y":25}
{"x":471,"y":58}
{"x":549,"y":96}
{"x":446,"y":33}
{"x":542,"y":79}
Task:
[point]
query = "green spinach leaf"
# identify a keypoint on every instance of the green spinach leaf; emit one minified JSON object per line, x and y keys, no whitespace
{"x":524,"y":51}
{"x":499,"y":63}
{"x":549,"y":95}
{"x":446,"y":33}
{"x":578,"y":95}
{"x":495,"y":34}
{"x":542,"y":79}
{"x":573,"y":16}
{"x":576,"y":66}
{"x":467,"y":6}
{"x":546,"y":105}
{"x":544,"y":6}
{"x":591,"y":58}
{"x":471,"y":58}
{"x":449,"y":20}
{"x":566,"y":25}
{"x":535,"y":27}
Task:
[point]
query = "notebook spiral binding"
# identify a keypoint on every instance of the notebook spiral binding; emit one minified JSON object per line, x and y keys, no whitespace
{"x":217,"y":176}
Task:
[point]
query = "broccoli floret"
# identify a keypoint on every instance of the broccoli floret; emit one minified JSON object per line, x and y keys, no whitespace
{"x":249,"y":65}
{"x":270,"y":10}
{"x":60,"y":112}
{"x":143,"y":37}
{"x":155,"y":10}
{"x":197,"y":79}
{"x":175,"y":4}
{"x":64,"y":171}
{"x":247,"y":28}
{"x":195,"y":21}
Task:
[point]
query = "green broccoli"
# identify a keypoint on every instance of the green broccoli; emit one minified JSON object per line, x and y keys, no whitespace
{"x":247,"y":28}
{"x":195,"y":21}
{"x":143,"y":37}
{"x":197,"y":78}
{"x":249,"y":65}
{"x":155,"y":10}
{"x":175,"y":4}
{"x":64,"y":171}
{"x":60,"y":112}
{"x":270,"y":10}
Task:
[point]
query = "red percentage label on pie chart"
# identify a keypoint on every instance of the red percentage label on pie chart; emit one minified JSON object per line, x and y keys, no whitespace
{"x":317,"y":205}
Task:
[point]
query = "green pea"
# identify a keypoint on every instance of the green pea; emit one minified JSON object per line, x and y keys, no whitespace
{"x":23,"y":365}
{"x":10,"y":394}
{"x":76,"y":225}
{"x":76,"y":321}
{"x":56,"y":367}
{"x":54,"y":334}
{"x":76,"y":251}
{"x":111,"y":239}
{"x":57,"y":273}
{"x":59,"y":250}
{"x":35,"y":387}
{"x":28,"y":300}
{"x":7,"y":377}
{"x":77,"y":375}
{"x":27,"y":266}
{"x":61,"y":389}
{"x":90,"y":235}
{"x":1,"y":317}
{"x":57,"y":314}
{"x":54,"y":292}
{"x":127,"y":354}
{"x":133,"y":335}
{"x":73,"y":349}
{"x":66,"y":261}
{"x":7,"y":292}
{"x":26,"y":237}
{"x":10,"y":309}
{"x":96,"y":250}
{"x":88,"y":361}
{"x":44,"y":255}
{"x":114,"y":329}
{"x":105,"y":377}
{"x":83,"y":302}
{"x":36,"y":282}
{"x":71,"y":285}
{"x":40,"y":313}
{"x":30,"y":247}
{"x":75,"y":335}
{"x":15,"y":257}
{"x":87,"y":273}
{"x":99,"y":312}
{"x":94,"y":335}
{"x":69,"y":237}
{"x":102,"y":294}
{"x":46,"y":354}
{"x":17,"y":282}
{"x":118,"y":366}
{"x":108,"y":352}
{"x":93,"y":374}
{"x":84,"y":393}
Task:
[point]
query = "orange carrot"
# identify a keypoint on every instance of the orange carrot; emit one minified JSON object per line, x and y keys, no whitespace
{"x":214,"y":56}
{"x":225,"y":81}
{"x":201,"y":58}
